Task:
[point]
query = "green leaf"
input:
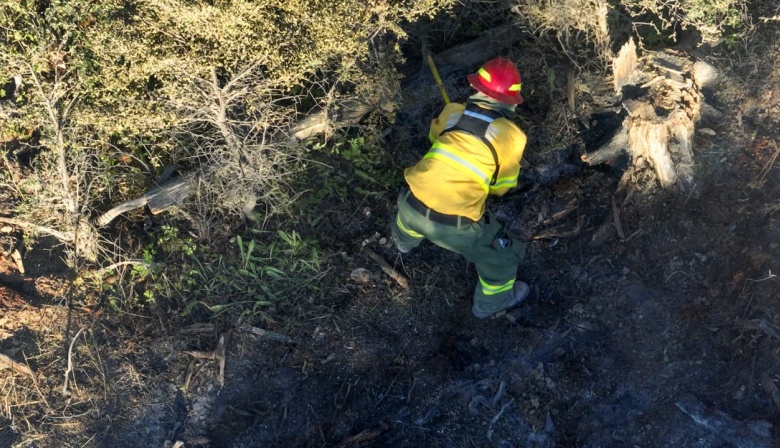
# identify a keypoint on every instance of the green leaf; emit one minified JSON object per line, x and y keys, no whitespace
{"x":188,"y":309}
{"x":551,"y":80}
{"x":247,"y":273}
{"x":218,"y":308}
{"x":240,"y":246}
{"x":250,"y":248}
{"x":364,"y":175}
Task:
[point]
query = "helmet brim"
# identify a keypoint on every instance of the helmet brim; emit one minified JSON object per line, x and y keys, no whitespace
{"x":508,"y":99}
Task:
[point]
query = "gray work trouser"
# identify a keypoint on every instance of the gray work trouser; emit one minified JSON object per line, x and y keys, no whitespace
{"x":486,"y":243}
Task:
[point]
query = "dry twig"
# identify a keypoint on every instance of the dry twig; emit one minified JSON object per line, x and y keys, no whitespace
{"x":65,"y":391}
{"x":395,"y":275}
{"x":198,"y":328}
{"x":18,"y":367}
{"x":65,"y":237}
{"x":616,"y":220}
{"x":266,"y":334}
{"x":365,"y":435}
{"x":218,"y":354}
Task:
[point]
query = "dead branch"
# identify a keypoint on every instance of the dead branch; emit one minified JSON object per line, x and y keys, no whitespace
{"x":18,"y":367}
{"x":499,"y":393}
{"x":65,"y":391}
{"x":266,"y":334}
{"x":65,"y":237}
{"x":202,"y":355}
{"x":387,"y":269}
{"x":478,"y":50}
{"x":219,"y":354}
{"x":365,"y":435}
{"x":56,"y":117}
{"x":198,"y":328}
{"x":162,"y":197}
{"x":113,"y":266}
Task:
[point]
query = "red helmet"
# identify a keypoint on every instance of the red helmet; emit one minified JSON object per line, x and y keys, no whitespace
{"x":499,"y":79}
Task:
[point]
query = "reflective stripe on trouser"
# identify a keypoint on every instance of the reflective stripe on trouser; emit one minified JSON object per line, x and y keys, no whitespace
{"x":496,"y":265}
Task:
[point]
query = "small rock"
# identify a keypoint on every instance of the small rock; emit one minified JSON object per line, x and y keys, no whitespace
{"x":707,"y":131}
{"x":705,"y":74}
{"x":360,"y":275}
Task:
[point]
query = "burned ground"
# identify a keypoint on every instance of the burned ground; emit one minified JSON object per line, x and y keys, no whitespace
{"x":626,"y":332}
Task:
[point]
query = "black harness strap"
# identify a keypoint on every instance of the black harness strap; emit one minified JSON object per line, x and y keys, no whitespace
{"x":475,"y":121}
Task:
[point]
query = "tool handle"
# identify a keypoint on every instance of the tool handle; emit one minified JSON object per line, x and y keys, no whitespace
{"x":429,"y":60}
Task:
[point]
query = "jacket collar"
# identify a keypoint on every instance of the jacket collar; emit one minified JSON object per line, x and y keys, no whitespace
{"x":482,"y":100}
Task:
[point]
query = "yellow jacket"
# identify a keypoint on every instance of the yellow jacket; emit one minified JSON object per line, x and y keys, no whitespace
{"x":454,"y":176}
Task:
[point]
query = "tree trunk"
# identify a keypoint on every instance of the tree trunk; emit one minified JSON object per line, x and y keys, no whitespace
{"x":663,"y":104}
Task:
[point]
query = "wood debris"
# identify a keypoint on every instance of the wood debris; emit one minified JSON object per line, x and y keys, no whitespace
{"x":387,"y":269}
{"x":365,"y":436}
{"x":219,"y":354}
{"x":265,"y":334}
{"x":7,"y":362}
{"x":197,"y":328}
{"x":624,"y":66}
{"x":17,"y":257}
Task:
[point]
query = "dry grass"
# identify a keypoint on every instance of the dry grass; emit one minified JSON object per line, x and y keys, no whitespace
{"x":48,"y":410}
{"x":571,"y":25}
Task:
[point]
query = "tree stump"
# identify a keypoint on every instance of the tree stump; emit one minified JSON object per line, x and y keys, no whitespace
{"x":663,"y":103}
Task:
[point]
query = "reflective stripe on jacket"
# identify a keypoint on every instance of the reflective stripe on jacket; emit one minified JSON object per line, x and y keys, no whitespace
{"x":454,"y":176}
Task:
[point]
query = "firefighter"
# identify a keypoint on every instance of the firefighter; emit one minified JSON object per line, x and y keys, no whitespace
{"x":476,"y":152}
